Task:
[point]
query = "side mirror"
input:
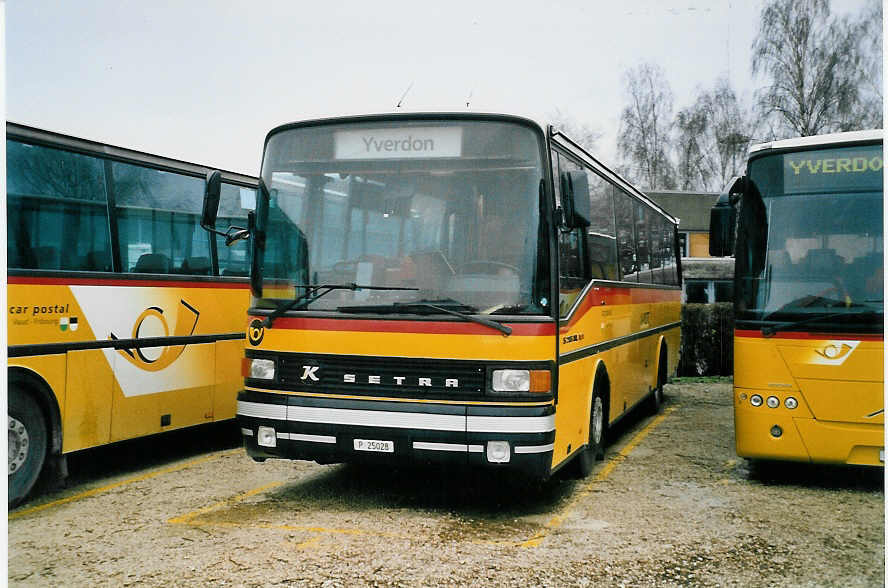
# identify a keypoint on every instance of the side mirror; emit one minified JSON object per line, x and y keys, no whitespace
{"x":212,"y":193}
{"x":723,"y":219}
{"x":575,"y":199}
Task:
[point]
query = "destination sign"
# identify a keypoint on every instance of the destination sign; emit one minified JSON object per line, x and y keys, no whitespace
{"x":844,"y":168}
{"x":398,"y":143}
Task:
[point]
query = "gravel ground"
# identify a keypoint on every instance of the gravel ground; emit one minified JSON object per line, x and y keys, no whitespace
{"x":670,"y":505}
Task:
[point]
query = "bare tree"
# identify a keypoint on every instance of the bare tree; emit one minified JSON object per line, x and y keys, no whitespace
{"x":712,"y":138}
{"x":644,"y":141}
{"x":813,"y":64}
{"x":579,"y":132}
{"x":869,"y":30}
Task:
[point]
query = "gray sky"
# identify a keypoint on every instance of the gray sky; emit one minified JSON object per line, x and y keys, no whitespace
{"x":205,"y":80}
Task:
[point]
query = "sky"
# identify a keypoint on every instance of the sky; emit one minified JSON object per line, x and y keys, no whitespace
{"x":204,"y":81}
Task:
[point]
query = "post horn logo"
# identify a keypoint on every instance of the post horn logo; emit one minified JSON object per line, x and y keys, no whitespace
{"x":186,"y":321}
{"x":255,"y":332}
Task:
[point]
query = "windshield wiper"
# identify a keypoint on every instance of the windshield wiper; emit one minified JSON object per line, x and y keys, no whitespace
{"x":312,"y":293}
{"x":437,"y":306}
{"x":772,"y":329}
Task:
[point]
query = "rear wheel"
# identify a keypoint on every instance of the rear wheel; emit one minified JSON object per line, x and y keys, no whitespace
{"x":27,"y":444}
{"x":595,"y":446}
{"x":655,"y":400}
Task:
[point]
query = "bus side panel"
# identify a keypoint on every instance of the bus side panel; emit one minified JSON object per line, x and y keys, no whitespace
{"x":150,"y":403}
{"x":228,"y":381}
{"x":665,"y":313}
{"x":86,"y":419}
{"x":572,"y":411}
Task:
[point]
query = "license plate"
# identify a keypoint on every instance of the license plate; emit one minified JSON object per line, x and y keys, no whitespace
{"x":374,"y":445}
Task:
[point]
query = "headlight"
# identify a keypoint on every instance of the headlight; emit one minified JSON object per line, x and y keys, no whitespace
{"x":522,"y":381}
{"x":262,"y":369}
{"x":511,"y":380}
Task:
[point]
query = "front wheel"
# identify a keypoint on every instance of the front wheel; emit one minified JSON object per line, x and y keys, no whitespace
{"x":27,"y":444}
{"x":595,"y":446}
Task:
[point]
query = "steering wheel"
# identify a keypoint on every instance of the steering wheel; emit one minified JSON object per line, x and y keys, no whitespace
{"x":486,"y":266}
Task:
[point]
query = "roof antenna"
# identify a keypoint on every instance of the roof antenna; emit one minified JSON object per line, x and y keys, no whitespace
{"x":469,"y":98}
{"x":398,"y":105}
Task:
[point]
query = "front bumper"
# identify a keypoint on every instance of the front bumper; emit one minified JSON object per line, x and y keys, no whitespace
{"x":324,"y":430}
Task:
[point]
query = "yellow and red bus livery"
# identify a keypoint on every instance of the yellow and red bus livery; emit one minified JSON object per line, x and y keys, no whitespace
{"x":443,"y":288}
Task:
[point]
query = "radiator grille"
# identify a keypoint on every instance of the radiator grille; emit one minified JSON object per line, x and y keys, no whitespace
{"x":416,"y":378}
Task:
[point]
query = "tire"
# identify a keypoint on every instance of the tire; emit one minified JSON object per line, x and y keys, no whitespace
{"x":655,"y":400}
{"x":594,"y":449}
{"x":28,"y":440}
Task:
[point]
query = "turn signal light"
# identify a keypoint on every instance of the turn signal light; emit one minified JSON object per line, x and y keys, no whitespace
{"x":540,"y":381}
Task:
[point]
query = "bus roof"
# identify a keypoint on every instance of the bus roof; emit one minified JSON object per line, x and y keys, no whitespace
{"x":29,"y":134}
{"x":832,"y":139}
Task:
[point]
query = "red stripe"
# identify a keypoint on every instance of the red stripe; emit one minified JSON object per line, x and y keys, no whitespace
{"x":613,"y":296}
{"x":422,"y":327}
{"x":809,"y":336}
{"x":149,"y":283}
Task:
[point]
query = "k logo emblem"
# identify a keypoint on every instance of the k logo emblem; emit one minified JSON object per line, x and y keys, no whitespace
{"x":255,"y":332}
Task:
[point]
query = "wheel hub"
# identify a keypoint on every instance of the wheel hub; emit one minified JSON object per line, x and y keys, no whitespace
{"x":18,"y":445}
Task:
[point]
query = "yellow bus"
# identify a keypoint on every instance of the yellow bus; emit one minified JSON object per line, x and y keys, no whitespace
{"x":450,"y":288}
{"x":124,"y":318}
{"x":809,"y":334}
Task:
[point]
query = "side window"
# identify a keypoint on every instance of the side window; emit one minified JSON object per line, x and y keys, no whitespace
{"x":671,"y":264}
{"x":625,"y":224}
{"x":57,"y":209}
{"x":642,"y":242}
{"x":655,"y":226}
{"x":601,"y":241}
{"x":573,"y":275}
{"x":234,"y":203}
{"x":159,"y":221}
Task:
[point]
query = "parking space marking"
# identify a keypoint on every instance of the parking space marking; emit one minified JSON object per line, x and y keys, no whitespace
{"x":191,"y":519}
{"x":559,"y":518}
{"x":86,"y":494}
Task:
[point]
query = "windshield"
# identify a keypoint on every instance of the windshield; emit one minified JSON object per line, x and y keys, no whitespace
{"x":447,"y":211}
{"x":810,"y":239}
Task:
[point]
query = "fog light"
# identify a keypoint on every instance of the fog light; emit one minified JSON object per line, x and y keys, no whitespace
{"x":498,"y":452}
{"x":776,"y":431}
{"x":755,"y":400}
{"x":266,"y":437}
{"x":791,"y":403}
{"x":773,"y":402}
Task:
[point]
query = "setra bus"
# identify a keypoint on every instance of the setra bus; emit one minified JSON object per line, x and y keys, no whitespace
{"x":123,"y":316}
{"x":450,"y":288}
{"x":808,"y":339}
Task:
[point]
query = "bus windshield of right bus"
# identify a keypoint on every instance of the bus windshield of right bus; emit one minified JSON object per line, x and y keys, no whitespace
{"x":809,"y":246}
